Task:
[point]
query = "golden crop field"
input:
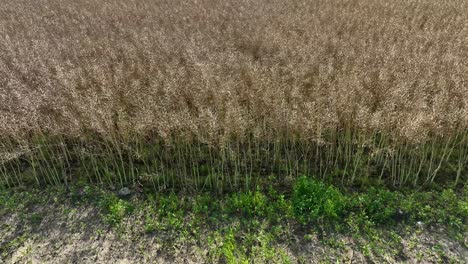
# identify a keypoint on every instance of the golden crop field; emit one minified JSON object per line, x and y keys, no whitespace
{"x":225,"y":94}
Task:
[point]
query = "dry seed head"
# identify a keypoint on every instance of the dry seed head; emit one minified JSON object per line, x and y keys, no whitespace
{"x":219,"y":70}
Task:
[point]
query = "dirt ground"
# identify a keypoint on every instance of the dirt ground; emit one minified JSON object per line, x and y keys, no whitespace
{"x":55,"y":233}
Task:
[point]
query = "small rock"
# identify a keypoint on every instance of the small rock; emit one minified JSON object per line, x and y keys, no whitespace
{"x":124,"y":191}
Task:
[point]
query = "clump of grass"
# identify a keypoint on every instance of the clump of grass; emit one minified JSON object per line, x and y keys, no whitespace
{"x":313,"y":200}
{"x":164,"y":213}
{"x":114,"y":209}
{"x":249,"y":204}
{"x":379,"y":205}
{"x":204,"y":204}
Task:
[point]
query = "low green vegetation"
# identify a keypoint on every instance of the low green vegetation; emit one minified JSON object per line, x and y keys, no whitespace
{"x":313,"y":200}
{"x":114,"y":209}
{"x":243,"y":227}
